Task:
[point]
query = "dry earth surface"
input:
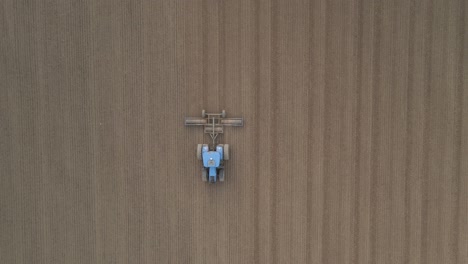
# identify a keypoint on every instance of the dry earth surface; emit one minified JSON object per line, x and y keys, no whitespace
{"x":354,"y":150}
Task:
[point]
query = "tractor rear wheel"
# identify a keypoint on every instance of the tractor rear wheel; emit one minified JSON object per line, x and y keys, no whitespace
{"x":226,"y":152}
{"x":199,"y":149}
{"x":204,"y":175}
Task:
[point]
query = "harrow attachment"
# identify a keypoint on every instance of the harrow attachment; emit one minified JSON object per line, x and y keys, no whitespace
{"x":214,"y":123}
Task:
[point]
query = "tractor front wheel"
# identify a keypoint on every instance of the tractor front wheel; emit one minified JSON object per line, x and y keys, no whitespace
{"x":204,"y":175}
{"x":221,"y":175}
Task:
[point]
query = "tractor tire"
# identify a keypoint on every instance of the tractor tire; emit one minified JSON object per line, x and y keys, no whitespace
{"x":221,"y":175}
{"x":199,"y":150}
{"x":203,"y":113}
{"x":204,"y":175}
{"x":223,"y":113}
{"x":226,"y":152}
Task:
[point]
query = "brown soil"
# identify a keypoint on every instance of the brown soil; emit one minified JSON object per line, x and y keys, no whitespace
{"x":354,"y":149}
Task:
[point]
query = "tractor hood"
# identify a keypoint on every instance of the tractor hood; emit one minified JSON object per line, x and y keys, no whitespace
{"x":211,"y":159}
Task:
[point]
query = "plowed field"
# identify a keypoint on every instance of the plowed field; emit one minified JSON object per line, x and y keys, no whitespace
{"x":354,"y":149}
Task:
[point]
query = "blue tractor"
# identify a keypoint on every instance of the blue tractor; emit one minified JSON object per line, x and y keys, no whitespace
{"x":213,"y":161}
{"x":213,"y":156}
